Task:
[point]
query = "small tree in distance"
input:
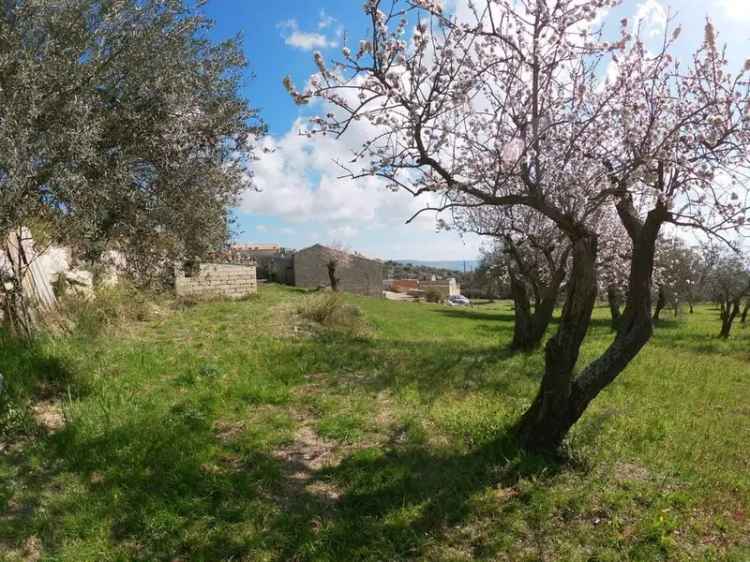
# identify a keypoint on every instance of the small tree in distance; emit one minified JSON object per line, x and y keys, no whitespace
{"x":335,"y":256}
{"x":513,"y":107}
{"x":729,"y":282}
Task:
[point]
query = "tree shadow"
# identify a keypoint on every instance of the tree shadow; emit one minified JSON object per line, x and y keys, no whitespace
{"x":161,"y":487}
{"x":433,"y":368}
{"x":397,"y":501}
{"x":30,"y":369}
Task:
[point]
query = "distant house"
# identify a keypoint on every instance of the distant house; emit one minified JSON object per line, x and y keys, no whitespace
{"x":446,"y":287}
{"x":356,"y":273}
{"x":401,"y":285}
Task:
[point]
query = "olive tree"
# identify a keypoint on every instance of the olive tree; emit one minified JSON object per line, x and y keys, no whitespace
{"x":513,"y":108}
{"x":122,"y":127}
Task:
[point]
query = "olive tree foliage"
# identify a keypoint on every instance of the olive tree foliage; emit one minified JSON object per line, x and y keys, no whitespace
{"x":536,"y":261}
{"x":514,"y":108}
{"x":122,"y":127}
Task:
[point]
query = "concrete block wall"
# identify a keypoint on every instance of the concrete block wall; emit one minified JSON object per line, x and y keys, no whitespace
{"x":217,"y":280}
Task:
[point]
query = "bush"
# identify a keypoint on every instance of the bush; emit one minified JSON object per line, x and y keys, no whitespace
{"x":433,"y":295}
{"x":107,"y":308}
{"x":329,"y":309}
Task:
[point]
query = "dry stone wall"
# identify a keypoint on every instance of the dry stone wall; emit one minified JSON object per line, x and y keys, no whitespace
{"x":217,"y":280}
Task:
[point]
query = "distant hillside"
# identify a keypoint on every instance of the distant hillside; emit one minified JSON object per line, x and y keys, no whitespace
{"x":449,"y":265}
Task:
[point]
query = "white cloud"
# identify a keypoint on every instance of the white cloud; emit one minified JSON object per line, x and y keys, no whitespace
{"x":261,"y":228}
{"x":651,"y":17}
{"x":307,"y":41}
{"x":299,"y":181}
{"x":325,"y":20}
{"x":736,"y":10}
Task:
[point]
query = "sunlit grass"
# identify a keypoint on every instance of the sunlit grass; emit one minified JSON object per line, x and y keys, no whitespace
{"x":224,"y":431}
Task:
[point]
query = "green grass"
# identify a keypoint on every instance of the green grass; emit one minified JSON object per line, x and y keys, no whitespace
{"x":231,"y":431}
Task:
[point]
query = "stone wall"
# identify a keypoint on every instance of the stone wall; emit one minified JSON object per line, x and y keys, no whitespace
{"x":216,"y":280}
{"x":356,"y":273}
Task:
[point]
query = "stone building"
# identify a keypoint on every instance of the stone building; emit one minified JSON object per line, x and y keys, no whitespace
{"x":273,"y":262}
{"x":445,"y":287}
{"x":356,"y":273}
{"x":216,"y":280}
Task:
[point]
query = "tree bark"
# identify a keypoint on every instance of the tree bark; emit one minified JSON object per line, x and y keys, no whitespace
{"x":562,"y":399}
{"x":529,"y":328}
{"x":331,"y":265}
{"x":547,"y":421}
{"x":730,"y":308}
{"x":661,"y":302}
{"x":613,"y":298}
{"x":522,"y":330}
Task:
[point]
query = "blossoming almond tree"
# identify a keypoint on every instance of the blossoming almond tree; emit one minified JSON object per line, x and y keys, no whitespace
{"x":515,"y":108}
{"x":536,"y":259}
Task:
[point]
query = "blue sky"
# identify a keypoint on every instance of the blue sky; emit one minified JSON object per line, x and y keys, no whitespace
{"x":301,"y":200}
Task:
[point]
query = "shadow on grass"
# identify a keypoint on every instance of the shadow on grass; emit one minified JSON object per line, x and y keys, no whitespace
{"x":433,"y":368}
{"x":158,"y":488}
{"x":509,"y":318}
{"x":398,"y":501}
{"x":29,"y":369}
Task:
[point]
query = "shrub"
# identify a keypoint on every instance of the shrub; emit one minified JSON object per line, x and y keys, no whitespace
{"x":329,"y":309}
{"x":433,"y":295}
{"x":107,"y":308}
{"x":320,"y":308}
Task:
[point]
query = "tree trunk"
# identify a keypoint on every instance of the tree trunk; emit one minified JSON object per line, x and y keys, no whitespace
{"x":546,"y":422}
{"x":562,"y":399}
{"x":661,"y":302}
{"x":613,"y":297}
{"x":690,"y":304}
{"x":332,"y":276}
{"x":729,"y":311}
{"x":522,"y":330}
{"x":529,"y":329}
{"x":745,"y":310}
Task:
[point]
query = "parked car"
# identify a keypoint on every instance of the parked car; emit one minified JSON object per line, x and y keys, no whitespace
{"x":458,"y":300}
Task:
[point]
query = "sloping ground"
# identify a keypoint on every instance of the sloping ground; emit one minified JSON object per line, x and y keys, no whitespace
{"x":231,"y":431}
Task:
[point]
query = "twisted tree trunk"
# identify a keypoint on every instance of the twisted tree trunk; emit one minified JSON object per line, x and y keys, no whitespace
{"x":529,"y":328}
{"x":730,"y":308}
{"x":563,"y":398}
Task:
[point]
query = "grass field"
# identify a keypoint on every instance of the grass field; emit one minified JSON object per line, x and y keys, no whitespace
{"x":235,"y":431}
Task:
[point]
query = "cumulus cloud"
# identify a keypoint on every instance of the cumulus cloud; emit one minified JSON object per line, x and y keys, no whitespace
{"x":651,"y":17}
{"x":307,"y":41}
{"x":736,"y":10}
{"x":299,"y":181}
